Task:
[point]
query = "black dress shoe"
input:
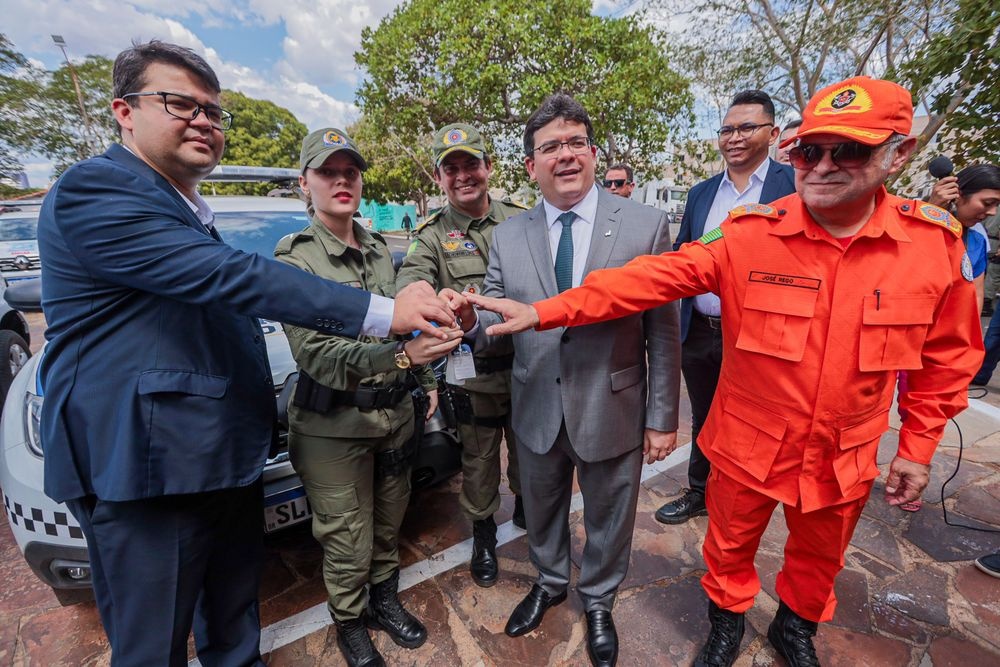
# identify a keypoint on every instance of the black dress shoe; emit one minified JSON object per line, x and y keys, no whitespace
{"x":483,"y":566}
{"x":518,"y":518}
{"x":356,"y":645}
{"x":528,"y":613}
{"x":723,"y":645}
{"x":602,"y":639}
{"x":689,"y":505}
{"x":791,"y":636}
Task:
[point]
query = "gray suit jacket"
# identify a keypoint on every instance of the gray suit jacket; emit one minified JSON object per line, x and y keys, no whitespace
{"x":595,"y":376}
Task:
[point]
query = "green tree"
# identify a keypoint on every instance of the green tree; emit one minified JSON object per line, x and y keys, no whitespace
{"x":490,"y":63}
{"x":945,"y":52}
{"x":398,"y":170}
{"x":11,"y":61}
{"x":263,"y":135}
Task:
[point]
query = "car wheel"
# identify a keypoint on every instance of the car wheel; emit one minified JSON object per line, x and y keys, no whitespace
{"x":14,"y":354}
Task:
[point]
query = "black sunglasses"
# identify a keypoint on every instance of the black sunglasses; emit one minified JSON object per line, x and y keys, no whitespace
{"x":848,"y":154}
{"x":617,"y":182}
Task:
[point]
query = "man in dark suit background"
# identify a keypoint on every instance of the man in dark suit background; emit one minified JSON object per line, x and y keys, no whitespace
{"x":159,"y":407}
{"x":750,"y":177}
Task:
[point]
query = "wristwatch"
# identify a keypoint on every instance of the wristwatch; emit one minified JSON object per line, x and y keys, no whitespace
{"x":402,"y":360}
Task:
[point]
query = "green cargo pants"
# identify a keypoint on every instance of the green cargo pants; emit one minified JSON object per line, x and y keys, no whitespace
{"x":356,"y":512}
{"x":480,"y":495}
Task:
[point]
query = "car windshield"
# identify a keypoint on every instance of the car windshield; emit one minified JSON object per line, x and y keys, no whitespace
{"x":258,"y":231}
{"x":18,"y":227}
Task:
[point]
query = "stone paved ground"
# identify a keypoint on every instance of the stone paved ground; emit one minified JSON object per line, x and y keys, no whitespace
{"x":909,"y":595}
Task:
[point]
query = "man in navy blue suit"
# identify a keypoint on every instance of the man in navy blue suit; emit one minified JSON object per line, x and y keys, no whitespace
{"x":159,"y":407}
{"x":750,"y":177}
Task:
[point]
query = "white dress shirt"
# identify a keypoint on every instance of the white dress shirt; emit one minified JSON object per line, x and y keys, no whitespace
{"x":726,"y":199}
{"x":583,"y":228}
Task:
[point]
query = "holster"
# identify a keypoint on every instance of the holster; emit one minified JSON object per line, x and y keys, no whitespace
{"x":313,"y":396}
{"x":464,"y":412}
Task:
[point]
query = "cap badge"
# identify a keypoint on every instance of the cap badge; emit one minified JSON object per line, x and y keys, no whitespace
{"x":332,"y":138}
{"x":853,"y":99}
{"x":456,"y":136}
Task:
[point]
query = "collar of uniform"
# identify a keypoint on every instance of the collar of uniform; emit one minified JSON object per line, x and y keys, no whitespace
{"x":799,"y":221}
{"x":333,"y":245}
{"x":463,"y":222}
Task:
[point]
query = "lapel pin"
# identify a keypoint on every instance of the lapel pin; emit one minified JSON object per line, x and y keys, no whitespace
{"x":607,"y":233}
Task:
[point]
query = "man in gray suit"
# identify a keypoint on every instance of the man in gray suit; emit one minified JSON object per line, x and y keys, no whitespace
{"x":582,"y":399}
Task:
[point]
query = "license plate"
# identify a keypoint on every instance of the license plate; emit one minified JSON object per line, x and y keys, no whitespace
{"x":285,"y":509}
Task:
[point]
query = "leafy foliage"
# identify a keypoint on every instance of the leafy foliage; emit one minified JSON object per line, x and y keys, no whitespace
{"x":491,"y":63}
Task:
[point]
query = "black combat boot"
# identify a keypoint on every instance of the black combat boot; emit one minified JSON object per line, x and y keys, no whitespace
{"x":483,"y":565}
{"x":386,"y":613}
{"x":723,"y":645}
{"x":356,"y":645}
{"x":791,"y":636}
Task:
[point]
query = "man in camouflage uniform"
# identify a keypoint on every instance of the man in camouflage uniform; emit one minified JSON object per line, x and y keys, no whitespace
{"x":451,"y":250}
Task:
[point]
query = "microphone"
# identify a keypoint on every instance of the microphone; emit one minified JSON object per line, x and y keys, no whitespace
{"x":940,"y":167}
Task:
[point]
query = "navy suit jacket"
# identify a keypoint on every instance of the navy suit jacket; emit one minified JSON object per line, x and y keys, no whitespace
{"x":778,"y":182}
{"x":156,"y":377}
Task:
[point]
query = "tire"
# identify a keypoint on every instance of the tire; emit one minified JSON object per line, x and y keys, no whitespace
{"x":14,"y":354}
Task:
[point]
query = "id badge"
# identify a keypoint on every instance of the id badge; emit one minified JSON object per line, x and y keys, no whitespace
{"x":461,"y":365}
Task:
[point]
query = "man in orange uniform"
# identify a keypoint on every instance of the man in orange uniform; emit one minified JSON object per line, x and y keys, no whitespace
{"x":825,"y":295}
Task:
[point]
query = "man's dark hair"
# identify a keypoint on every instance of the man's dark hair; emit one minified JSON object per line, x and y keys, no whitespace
{"x":555,"y":106}
{"x":792,"y":125}
{"x":978,"y":177}
{"x":755,"y":97}
{"x":624,"y":167}
{"x":129,"y":74}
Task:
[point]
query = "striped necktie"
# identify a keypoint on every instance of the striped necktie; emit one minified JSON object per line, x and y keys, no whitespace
{"x":564,"y":253}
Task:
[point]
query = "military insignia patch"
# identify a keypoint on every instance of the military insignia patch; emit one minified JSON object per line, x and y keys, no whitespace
{"x":469,"y":245}
{"x":850,"y":99}
{"x":966,"y":267}
{"x":412,"y":248}
{"x":456,"y":136}
{"x":755,"y":209}
{"x":449,"y":246}
{"x":713,"y":235}
{"x":456,"y":234}
{"x":934,"y":215}
{"x":332,"y":138}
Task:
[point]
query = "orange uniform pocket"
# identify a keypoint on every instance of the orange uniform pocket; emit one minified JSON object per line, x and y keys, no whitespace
{"x":894,"y":327}
{"x":854,"y":462}
{"x":776,"y":320}
{"x":749,"y":435}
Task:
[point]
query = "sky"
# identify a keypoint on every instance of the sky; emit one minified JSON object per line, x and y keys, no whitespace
{"x":296,"y":53}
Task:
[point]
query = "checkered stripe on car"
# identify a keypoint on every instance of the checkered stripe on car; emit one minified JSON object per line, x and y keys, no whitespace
{"x":55,"y":524}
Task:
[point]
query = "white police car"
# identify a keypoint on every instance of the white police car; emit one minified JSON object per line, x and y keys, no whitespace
{"x":46,"y":532}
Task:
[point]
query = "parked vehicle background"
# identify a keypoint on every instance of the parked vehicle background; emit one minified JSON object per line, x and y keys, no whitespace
{"x":19,"y":240}
{"x":46,"y":532}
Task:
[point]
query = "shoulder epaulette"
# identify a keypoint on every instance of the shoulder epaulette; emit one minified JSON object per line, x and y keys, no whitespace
{"x":762,"y":210}
{"x":516,"y":204}
{"x":429,"y":220}
{"x":932,"y":214}
{"x":713,"y":235}
{"x":285,"y":244}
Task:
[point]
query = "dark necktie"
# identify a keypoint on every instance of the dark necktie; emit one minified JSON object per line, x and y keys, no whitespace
{"x":564,"y":253}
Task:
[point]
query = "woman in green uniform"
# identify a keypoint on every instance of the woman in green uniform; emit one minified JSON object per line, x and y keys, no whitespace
{"x":352,"y":411}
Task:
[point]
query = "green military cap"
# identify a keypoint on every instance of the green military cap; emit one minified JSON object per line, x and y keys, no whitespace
{"x":457,"y":137}
{"x":321,"y":144}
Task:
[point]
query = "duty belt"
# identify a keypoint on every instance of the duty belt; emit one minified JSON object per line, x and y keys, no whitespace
{"x":486,"y":365}
{"x":311,"y":395}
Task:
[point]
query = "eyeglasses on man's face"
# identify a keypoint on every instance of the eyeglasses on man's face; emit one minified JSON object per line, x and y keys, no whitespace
{"x":576,"y":145}
{"x":187,"y":108}
{"x":743,"y":131}
{"x":847,"y":154}
{"x":617,"y":182}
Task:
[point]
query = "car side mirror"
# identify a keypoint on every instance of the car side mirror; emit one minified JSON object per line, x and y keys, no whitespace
{"x":25,"y":295}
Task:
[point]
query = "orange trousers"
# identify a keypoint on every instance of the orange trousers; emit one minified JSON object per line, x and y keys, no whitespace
{"x":814,"y":550}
